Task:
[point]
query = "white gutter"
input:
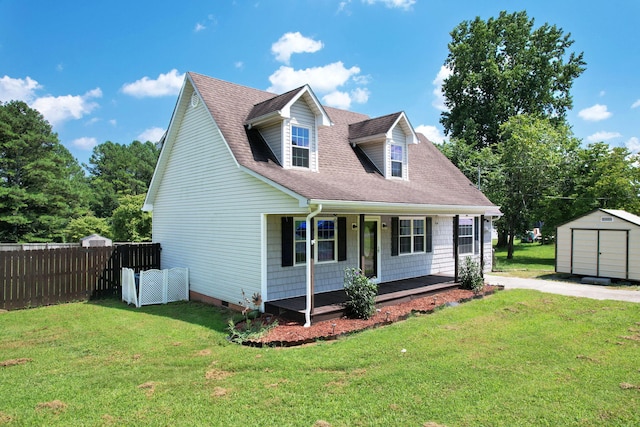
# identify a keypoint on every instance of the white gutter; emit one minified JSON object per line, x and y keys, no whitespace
{"x":390,"y":207}
{"x":309,"y":242}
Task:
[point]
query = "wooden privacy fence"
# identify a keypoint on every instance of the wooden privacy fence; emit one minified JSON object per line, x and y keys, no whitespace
{"x":31,"y":278}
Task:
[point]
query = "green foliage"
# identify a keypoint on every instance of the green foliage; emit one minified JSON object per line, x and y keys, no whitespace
{"x":361,"y":294}
{"x":503,"y":67}
{"x":41,"y":184}
{"x":607,"y":177}
{"x":129,"y":223}
{"x":535,"y":159}
{"x":86,"y":226}
{"x":471,"y":276}
{"x":118,"y":170}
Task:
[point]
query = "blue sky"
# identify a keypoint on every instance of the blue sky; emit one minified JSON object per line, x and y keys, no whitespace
{"x":111,"y":71}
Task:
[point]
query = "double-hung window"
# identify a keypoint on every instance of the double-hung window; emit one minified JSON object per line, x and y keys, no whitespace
{"x":300,"y":241}
{"x":325,"y":240}
{"x":325,"y":237}
{"x":467,"y":239}
{"x":412,"y":235}
{"x":300,"y":146}
{"x":396,"y":161}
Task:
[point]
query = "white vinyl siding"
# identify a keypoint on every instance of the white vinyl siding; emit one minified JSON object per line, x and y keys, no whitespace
{"x":208,"y":213}
{"x":376,"y":153}
{"x":273,"y":136}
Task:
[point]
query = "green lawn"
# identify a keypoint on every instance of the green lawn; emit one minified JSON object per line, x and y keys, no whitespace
{"x":514,"y":358}
{"x":529,"y":260}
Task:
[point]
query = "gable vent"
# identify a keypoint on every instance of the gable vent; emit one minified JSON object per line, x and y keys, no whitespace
{"x":606,"y":219}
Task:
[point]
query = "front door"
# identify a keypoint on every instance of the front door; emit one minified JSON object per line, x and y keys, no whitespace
{"x":371,"y":248}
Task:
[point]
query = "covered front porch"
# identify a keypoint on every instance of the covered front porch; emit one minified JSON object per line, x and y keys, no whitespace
{"x":330,"y":305}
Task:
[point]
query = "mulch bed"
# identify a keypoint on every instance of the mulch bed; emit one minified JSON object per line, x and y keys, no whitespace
{"x":288,"y":333}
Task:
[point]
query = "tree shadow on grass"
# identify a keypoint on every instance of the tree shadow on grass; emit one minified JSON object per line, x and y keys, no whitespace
{"x":197,"y":313}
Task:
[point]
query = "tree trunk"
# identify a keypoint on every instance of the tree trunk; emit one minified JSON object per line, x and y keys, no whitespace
{"x":510,"y":245}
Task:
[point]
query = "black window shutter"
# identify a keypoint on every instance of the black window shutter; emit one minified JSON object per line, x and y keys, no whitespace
{"x":342,"y":238}
{"x":395,"y":235}
{"x":429,"y":231}
{"x":287,"y":241}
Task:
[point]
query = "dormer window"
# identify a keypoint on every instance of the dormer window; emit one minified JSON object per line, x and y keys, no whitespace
{"x":300,"y":146}
{"x":396,"y":161}
{"x":385,"y":141}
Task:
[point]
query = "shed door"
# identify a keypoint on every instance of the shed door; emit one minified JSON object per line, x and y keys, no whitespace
{"x":584,"y":252}
{"x":601,"y":253}
{"x":612,"y":260}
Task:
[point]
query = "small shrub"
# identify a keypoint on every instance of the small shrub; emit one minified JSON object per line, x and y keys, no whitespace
{"x":471,"y":276}
{"x":361,"y":294}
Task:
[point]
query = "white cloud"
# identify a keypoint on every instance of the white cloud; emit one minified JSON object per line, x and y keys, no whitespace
{"x":393,"y":4}
{"x":603,"y":136}
{"x":84,"y":143}
{"x":151,"y":134}
{"x":633,"y":144}
{"x":18,"y":89}
{"x":636,"y":104}
{"x":438,"y":101}
{"x":360,"y":95}
{"x":239,"y":65}
{"x":291,"y":43}
{"x":166,"y":84}
{"x":199,"y":27}
{"x":113,"y":122}
{"x":337,"y":99}
{"x":595,"y":113}
{"x":324,"y":79}
{"x":432,"y":133}
{"x":57,"y":109}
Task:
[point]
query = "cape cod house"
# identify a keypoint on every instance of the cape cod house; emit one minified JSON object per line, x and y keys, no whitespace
{"x":278,"y":194}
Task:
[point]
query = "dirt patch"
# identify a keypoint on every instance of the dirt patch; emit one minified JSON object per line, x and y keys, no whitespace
{"x":219,"y":392}
{"x":205,"y":352}
{"x":288,"y":333}
{"x":14,"y":362}
{"x":627,"y":386}
{"x":55,"y":406}
{"x":5,"y":418}
{"x":149,"y":387}
{"x":216,"y":374}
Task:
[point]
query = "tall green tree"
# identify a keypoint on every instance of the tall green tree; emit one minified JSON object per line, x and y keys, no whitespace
{"x":534,"y":157}
{"x":117,"y":170}
{"x":504,"y":67}
{"x":41,"y":185}
{"x":607,"y":177}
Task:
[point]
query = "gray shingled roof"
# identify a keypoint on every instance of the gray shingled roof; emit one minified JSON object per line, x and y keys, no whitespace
{"x":273,"y":104}
{"x":344,"y":175}
{"x":370,"y":127}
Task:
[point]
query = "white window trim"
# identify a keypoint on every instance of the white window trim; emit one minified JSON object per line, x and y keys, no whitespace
{"x":334,"y":240}
{"x":316,"y":240}
{"x":401,"y":161}
{"x":472,"y":235}
{"x":413,"y":236}
{"x":292,"y":146}
{"x":295,"y":258}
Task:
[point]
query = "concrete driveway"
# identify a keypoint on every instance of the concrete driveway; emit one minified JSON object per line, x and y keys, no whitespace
{"x":565,"y":288}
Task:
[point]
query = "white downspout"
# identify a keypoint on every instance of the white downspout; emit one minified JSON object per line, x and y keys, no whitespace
{"x":309,"y":242}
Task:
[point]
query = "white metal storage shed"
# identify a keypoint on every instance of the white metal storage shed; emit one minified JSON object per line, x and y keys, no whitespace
{"x":602,"y":243}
